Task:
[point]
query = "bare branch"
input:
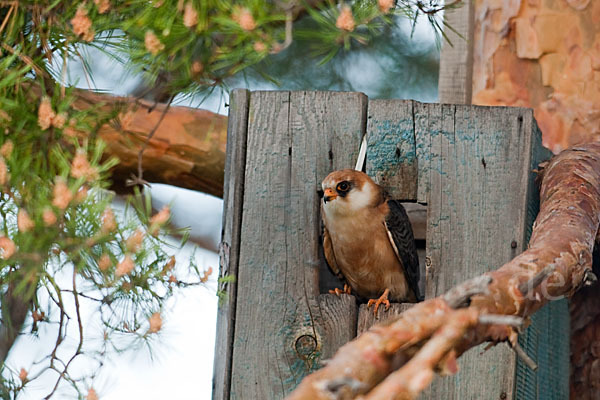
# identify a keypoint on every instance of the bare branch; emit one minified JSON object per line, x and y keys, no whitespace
{"x":186,"y":150}
{"x":523,"y":356}
{"x":460,"y":296}
{"x":526,"y":287}
{"x":417,"y":373}
{"x":510,"y":320}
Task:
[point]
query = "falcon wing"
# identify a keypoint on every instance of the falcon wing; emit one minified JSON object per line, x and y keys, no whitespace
{"x":401,"y":236}
{"x":329,"y":256}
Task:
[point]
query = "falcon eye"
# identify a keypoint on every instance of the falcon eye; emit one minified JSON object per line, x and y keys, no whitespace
{"x":343,"y":186}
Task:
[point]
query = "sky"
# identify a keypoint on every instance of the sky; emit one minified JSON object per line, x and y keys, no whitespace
{"x":181,"y":365}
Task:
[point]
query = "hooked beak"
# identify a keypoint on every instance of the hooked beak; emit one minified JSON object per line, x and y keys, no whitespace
{"x":329,"y":195}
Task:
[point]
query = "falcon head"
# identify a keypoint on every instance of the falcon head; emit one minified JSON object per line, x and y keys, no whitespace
{"x":347,"y":191}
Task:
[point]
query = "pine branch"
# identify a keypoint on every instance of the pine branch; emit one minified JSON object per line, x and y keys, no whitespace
{"x":187,"y":149}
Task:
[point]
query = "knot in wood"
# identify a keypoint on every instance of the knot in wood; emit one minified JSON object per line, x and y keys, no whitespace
{"x":428,"y":261}
{"x":305,"y":346}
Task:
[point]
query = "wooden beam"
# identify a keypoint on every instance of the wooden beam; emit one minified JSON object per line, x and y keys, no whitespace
{"x":366,"y":317}
{"x":229,"y":248}
{"x":455,"y":84}
{"x":482,"y":203}
{"x":281,"y":322}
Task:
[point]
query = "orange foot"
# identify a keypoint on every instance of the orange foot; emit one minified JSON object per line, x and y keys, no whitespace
{"x":383,"y":299}
{"x":337,"y":291}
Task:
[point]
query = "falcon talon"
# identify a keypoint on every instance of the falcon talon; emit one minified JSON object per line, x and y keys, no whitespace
{"x":347,"y":289}
{"x":382,"y":300}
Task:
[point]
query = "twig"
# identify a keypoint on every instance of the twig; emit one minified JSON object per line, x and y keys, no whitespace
{"x":460,"y":295}
{"x":523,"y":355}
{"x":8,"y":14}
{"x":526,"y":287}
{"x":139,"y":179}
{"x":80,"y":344}
{"x":27,"y":60}
{"x":499,"y":319}
{"x":63,"y":77}
{"x":289,"y":26}
{"x":86,"y":73}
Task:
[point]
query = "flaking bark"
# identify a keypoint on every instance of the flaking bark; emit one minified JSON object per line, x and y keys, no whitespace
{"x":431,"y":334}
{"x":186,"y":150}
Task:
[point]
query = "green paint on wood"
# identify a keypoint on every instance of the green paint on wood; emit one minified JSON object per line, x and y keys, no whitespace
{"x":391,"y":147}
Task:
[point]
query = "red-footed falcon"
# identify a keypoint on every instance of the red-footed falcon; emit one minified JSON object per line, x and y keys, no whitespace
{"x":368,"y":240}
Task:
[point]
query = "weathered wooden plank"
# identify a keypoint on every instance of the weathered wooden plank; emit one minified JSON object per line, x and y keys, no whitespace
{"x":294,"y":140}
{"x":366,"y":317}
{"x":230,"y":242}
{"x":455,"y":83}
{"x":477,"y":220}
{"x":337,"y":327}
{"x":479,"y":180}
{"x":391,"y":152}
{"x":260,"y":263}
{"x":427,"y":119}
{"x":417,"y":214}
{"x":441,"y":138}
{"x":470,"y":198}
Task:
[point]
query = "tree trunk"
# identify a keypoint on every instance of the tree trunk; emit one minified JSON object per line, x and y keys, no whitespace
{"x":14,"y":311}
{"x":546,"y":55}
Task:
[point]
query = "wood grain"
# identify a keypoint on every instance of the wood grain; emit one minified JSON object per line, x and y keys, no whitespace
{"x":478,"y":204}
{"x":455,"y":83}
{"x":366,"y":317}
{"x":417,"y":213}
{"x":339,"y":322}
{"x":230,"y":242}
{"x":296,"y":139}
{"x":427,"y":120}
{"x":391,"y":152}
